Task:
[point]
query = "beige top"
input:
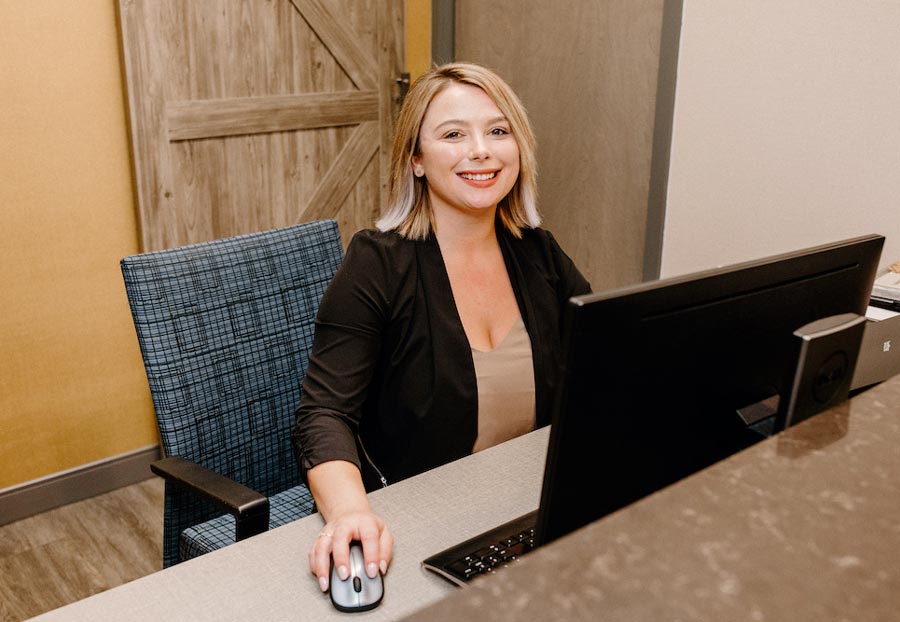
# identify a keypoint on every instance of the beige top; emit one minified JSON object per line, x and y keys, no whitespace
{"x":505,"y":378}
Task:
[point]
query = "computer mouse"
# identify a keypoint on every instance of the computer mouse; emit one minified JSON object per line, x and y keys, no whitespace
{"x":358,"y":592}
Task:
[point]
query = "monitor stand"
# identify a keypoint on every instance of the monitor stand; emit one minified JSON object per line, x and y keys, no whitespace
{"x":827,"y":350}
{"x":761,"y":416}
{"x":826,"y":358}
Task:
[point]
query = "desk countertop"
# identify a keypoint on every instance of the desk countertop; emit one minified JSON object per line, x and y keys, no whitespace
{"x":267,"y":577}
{"x":803,"y":526}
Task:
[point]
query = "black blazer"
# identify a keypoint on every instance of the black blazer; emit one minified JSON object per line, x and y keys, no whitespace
{"x":391,"y":378}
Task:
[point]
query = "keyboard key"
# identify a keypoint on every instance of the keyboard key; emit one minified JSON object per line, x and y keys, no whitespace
{"x":516,"y":550}
{"x":463,"y":570}
{"x":482,"y":553}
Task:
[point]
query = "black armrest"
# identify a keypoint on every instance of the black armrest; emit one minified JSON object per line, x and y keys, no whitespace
{"x":249,"y":508}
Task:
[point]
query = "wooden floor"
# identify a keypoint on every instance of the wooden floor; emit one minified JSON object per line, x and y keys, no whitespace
{"x":58,"y":557}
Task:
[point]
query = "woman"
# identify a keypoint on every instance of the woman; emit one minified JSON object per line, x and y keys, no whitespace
{"x":439,"y":334}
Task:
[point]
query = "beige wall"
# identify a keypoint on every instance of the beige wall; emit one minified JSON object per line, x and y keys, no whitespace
{"x":588,"y":80}
{"x":72,"y":386}
{"x":786,"y":130}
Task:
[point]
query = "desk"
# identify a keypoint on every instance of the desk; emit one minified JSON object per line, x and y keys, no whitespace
{"x":267,"y":577}
{"x":803,"y":526}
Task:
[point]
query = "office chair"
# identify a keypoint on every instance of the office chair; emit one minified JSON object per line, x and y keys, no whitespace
{"x":225,"y":329}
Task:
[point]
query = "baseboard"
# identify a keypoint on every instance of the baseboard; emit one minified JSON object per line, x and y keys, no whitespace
{"x":39,"y":495}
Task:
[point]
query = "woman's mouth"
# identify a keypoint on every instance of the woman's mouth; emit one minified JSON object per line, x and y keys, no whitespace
{"x":479,"y":176}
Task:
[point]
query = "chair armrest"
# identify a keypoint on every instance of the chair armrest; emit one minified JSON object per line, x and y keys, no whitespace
{"x":249,"y":508}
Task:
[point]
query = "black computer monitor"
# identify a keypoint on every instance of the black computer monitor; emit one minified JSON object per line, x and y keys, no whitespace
{"x":657,"y":373}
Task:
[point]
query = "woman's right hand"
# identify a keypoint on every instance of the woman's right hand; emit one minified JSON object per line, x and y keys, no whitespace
{"x":334,"y":540}
{"x":342,"y":501}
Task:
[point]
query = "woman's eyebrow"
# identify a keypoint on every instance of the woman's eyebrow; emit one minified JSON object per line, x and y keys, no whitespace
{"x":493,"y":121}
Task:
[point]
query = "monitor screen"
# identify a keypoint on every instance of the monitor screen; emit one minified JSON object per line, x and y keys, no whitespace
{"x":657,"y":373}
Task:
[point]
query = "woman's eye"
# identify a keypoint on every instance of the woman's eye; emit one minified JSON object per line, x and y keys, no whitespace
{"x":499,"y":131}
{"x":453,"y":134}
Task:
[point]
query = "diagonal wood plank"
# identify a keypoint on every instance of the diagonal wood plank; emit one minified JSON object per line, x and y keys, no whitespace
{"x":345,"y":170}
{"x":340,"y":43}
{"x":212,"y":118}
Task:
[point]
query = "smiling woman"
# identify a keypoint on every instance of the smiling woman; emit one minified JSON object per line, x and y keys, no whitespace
{"x":439,"y":334}
{"x":470,"y":160}
{"x":409,"y":210}
{"x":467,"y":153}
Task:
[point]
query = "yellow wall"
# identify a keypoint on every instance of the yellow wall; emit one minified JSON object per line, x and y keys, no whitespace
{"x":72,"y":386}
{"x":418,"y":37}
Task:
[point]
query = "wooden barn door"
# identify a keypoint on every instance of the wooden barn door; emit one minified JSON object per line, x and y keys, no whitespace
{"x":252,"y":114}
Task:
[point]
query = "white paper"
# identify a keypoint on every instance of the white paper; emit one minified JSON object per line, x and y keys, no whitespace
{"x":877,"y":313}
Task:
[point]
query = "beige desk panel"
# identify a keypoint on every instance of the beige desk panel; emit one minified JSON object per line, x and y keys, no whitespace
{"x":267,"y":577}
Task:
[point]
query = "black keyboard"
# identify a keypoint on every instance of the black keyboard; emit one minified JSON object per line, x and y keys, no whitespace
{"x":486,"y":552}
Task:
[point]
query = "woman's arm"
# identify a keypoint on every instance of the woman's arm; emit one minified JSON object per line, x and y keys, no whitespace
{"x":341,"y":498}
{"x":350,"y":326}
{"x":349,"y":332}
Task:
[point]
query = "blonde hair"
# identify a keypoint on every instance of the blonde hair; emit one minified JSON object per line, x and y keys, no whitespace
{"x":409,"y":211}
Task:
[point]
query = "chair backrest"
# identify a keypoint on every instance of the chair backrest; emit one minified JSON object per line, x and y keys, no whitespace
{"x":225,"y":329}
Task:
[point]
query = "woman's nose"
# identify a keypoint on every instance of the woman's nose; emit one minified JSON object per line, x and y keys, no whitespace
{"x":478,"y":149}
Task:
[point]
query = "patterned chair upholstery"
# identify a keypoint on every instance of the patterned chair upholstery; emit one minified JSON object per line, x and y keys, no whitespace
{"x":225,"y":329}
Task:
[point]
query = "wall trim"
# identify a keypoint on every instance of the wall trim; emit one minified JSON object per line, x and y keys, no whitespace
{"x":46,"y":493}
{"x":670,"y":40}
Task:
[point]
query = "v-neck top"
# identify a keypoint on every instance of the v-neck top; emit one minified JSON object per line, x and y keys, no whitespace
{"x":391,"y":384}
{"x":505,"y":380}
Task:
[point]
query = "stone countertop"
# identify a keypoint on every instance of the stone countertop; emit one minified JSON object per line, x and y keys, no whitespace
{"x":802,"y":526}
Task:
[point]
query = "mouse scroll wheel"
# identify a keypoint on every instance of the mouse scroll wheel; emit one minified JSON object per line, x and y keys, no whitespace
{"x":357,"y":584}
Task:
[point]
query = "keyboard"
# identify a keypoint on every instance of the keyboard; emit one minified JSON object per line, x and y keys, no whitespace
{"x":486,"y":552}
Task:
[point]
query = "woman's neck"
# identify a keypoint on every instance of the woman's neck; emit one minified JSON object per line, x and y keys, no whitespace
{"x":462,"y":233}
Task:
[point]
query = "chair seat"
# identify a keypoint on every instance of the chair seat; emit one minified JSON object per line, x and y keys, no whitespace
{"x":284,"y":507}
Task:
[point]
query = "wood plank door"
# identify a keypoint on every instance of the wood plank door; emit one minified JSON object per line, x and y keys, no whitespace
{"x":588,"y":76}
{"x":253,"y":114}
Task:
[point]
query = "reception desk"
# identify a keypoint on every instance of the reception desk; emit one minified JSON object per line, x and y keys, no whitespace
{"x":803,"y":526}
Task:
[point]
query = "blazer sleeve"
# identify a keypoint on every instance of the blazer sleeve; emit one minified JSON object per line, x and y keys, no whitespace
{"x":349,"y":329}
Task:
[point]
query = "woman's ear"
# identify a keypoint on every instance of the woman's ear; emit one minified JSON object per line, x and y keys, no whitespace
{"x":417,"y":168}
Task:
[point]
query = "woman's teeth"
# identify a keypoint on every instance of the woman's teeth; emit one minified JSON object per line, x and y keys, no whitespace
{"x":478,"y":176}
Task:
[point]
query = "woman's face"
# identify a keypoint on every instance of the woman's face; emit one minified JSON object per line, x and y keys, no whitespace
{"x":467,"y":152}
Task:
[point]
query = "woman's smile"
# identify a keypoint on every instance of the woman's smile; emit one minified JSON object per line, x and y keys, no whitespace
{"x":481,"y":179}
